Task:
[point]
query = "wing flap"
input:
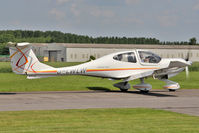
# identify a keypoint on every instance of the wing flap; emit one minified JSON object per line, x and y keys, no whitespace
{"x":140,"y":75}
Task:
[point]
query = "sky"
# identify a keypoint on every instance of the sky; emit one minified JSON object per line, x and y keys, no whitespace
{"x":166,"y":20}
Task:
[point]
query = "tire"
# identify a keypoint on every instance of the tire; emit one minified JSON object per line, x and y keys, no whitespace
{"x":144,"y":91}
{"x":172,"y":90}
{"x":123,"y":90}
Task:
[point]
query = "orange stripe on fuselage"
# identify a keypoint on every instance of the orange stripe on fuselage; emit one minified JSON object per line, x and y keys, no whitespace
{"x":54,"y":71}
{"x":51,"y":71}
{"x":118,"y":69}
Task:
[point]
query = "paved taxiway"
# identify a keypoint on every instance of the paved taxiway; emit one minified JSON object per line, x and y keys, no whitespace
{"x":182,"y":101}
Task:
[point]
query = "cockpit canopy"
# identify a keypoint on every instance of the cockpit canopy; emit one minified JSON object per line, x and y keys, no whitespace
{"x":126,"y":57}
{"x":149,"y":57}
{"x":145,"y":57}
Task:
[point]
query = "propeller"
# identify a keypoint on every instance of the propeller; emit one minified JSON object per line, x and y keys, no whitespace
{"x":187,"y":68}
{"x":187,"y":72}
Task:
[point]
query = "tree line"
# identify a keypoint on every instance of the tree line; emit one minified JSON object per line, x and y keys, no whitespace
{"x":60,"y":37}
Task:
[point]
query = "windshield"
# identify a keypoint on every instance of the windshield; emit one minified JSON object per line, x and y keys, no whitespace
{"x":149,"y":57}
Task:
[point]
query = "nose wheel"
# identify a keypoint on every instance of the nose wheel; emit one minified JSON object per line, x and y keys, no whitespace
{"x":171,"y":85}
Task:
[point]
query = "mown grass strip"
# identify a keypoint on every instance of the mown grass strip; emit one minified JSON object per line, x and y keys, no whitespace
{"x":10,"y":82}
{"x":98,"y":121}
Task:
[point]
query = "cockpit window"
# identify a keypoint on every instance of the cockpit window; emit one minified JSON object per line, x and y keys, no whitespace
{"x":126,"y":57}
{"x":148,"y":57}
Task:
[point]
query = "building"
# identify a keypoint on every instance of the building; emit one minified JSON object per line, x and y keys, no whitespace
{"x":68,"y":52}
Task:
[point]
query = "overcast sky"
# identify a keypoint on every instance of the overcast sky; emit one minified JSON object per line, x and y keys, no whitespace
{"x":167,"y":20}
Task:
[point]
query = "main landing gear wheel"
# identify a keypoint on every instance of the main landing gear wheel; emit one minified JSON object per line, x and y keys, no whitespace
{"x":172,"y":90}
{"x":143,"y":87}
{"x":123,"y":86}
{"x":144,"y":91}
{"x":124,"y":90}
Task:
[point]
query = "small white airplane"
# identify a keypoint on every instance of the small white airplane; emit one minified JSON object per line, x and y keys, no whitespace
{"x":125,"y":66}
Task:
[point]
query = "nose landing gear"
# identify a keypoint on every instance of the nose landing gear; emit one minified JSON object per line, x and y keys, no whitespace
{"x":170,"y":85}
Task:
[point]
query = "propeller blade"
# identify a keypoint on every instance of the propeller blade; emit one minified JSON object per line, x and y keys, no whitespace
{"x":187,"y":59}
{"x":187,"y":72}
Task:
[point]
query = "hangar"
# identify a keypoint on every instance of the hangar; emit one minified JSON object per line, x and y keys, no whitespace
{"x":69,"y":52}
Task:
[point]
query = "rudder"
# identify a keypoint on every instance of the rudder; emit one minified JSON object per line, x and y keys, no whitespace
{"x":24,"y":61}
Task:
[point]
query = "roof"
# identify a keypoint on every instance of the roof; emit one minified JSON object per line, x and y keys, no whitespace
{"x":119,"y":46}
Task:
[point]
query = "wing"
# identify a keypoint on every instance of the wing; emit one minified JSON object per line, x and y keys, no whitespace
{"x":140,"y":75}
{"x":174,"y":68}
{"x":179,"y":64}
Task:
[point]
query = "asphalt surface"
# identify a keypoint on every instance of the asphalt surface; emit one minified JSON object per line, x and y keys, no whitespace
{"x":182,"y":101}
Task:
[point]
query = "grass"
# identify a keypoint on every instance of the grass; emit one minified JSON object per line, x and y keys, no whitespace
{"x":90,"y":120}
{"x":194,"y":67}
{"x":10,"y":82}
{"x":5,"y":67}
{"x":62,"y":64}
{"x":98,"y":121}
{"x":17,"y":83}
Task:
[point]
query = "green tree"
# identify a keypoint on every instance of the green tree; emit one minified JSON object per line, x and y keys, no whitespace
{"x":4,"y":38}
{"x":192,"y":41}
{"x":3,"y":49}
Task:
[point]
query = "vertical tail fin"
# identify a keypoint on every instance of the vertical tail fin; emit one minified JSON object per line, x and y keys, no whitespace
{"x":24,"y":61}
